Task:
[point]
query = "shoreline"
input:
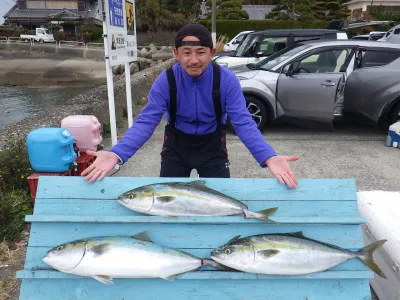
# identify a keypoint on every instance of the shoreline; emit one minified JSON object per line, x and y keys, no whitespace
{"x":51,"y":71}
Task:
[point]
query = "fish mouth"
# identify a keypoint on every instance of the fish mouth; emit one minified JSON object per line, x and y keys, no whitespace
{"x":123,"y":200}
{"x":217,"y":258}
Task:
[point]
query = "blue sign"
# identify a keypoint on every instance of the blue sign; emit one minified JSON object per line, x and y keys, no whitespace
{"x":116,"y":13}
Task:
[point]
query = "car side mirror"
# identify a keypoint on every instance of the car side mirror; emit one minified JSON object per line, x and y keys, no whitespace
{"x":234,"y":42}
{"x":259,"y":54}
{"x":288,"y":70}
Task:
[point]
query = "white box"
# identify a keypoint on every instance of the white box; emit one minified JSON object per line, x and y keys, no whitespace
{"x":382,"y":211}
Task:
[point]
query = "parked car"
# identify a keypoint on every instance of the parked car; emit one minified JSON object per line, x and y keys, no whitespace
{"x":42,"y":35}
{"x":392,"y":36}
{"x":260,"y":44}
{"x":372,"y":36}
{"x":317,"y":82}
{"x":233,"y":43}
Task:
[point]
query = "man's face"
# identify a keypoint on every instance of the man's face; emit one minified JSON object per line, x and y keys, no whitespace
{"x":194,"y":59}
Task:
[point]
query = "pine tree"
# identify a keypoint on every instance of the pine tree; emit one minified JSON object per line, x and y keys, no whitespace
{"x":330,"y":10}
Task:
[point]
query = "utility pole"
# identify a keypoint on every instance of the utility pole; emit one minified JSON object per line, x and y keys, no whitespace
{"x":214,"y":25}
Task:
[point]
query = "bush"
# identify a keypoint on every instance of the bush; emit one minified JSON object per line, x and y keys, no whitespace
{"x":14,"y":161}
{"x":15,"y":200}
{"x":14,"y":206}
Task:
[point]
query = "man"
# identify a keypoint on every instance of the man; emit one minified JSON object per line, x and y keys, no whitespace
{"x":197,"y":97}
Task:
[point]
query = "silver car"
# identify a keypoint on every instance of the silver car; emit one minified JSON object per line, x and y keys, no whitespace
{"x":314,"y":83}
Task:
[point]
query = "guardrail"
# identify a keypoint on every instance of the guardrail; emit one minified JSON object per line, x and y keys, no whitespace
{"x":71,"y":43}
{"x":3,"y":39}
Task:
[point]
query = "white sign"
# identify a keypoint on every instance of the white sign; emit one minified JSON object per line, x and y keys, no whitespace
{"x":121,"y":31}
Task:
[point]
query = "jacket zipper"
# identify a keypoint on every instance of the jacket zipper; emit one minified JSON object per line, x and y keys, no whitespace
{"x":197,"y":109}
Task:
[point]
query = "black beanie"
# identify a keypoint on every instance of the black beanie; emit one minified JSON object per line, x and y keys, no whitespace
{"x":196,"y":30}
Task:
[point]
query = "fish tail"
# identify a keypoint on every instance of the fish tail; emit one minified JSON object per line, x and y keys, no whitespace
{"x":209,"y":262}
{"x":365,"y":254}
{"x":262,"y":214}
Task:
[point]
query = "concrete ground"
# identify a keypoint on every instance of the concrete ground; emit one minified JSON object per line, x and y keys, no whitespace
{"x":347,"y":152}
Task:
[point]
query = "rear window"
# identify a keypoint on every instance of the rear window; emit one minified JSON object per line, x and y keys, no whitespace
{"x":376,"y":58}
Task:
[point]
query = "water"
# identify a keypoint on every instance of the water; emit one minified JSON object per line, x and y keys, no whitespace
{"x":18,"y":102}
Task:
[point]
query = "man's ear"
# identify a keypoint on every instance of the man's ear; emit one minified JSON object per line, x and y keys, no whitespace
{"x":212,"y":51}
{"x":176,"y":53}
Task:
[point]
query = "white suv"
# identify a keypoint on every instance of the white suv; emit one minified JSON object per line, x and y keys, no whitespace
{"x":233,"y":43}
{"x":260,"y":44}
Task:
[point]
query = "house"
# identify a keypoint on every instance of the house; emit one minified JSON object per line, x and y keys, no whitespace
{"x":67,"y":14}
{"x":362,"y":5}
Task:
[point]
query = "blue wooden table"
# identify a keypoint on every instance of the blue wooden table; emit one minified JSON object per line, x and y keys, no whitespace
{"x":67,"y":208}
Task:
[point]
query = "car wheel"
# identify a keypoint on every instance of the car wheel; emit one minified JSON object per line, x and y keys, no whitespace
{"x":41,"y":41}
{"x":258,"y":111}
{"x":394,"y":115}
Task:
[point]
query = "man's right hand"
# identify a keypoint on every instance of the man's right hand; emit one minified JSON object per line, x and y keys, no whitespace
{"x":103,"y":163}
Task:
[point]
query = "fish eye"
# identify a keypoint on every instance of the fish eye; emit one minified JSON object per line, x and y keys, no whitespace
{"x":227,"y":251}
{"x":131,"y":196}
{"x":59,"y":248}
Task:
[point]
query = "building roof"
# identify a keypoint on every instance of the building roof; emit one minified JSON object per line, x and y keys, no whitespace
{"x":257,"y":12}
{"x":67,"y":14}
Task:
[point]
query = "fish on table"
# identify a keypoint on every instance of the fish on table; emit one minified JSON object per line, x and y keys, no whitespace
{"x":288,"y":254}
{"x":174,"y":199}
{"x":105,"y":258}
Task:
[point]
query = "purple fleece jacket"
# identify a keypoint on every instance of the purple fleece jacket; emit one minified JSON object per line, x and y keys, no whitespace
{"x":195,"y":112}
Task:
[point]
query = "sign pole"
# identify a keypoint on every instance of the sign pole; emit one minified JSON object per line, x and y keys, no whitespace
{"x":128,"y":93}
{"x":110,"y":82}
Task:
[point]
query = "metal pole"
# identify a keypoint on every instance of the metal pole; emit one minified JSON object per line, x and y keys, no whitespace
{"x":110,"y":82}
{"x":128,"y":93}
{"x":214,"y":25}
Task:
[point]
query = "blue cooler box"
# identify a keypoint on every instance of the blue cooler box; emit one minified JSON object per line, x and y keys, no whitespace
{"x":393,"y":137}
{"x":50,"y":149}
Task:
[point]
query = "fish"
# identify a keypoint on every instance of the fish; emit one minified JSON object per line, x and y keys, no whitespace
{"x":288,"y":254}
{"x":174,"y":199}
{"x":106,"y":257}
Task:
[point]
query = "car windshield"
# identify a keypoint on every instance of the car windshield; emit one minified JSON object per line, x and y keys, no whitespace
{"x":276,"y":58}
{"x":262,"y":45}
{"x":46,"y":31}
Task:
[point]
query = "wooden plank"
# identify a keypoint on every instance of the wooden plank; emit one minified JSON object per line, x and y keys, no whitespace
{"x":191,"y":220}
{"x":211,"y":275}
{"x":241,"y":188}
{"x":110,"y":207}
{"x":150,"y":289}
{"x":68,"y":208}
{"x":190,"y":235}
{"x":34,"y":261}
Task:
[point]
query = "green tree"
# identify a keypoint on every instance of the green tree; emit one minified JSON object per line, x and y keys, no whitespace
{"x":292,"y":10}
{"x":330,"y":10}
{"x":228,"y":10}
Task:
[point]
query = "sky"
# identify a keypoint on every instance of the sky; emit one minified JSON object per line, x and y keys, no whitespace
{"x":5,"y":6}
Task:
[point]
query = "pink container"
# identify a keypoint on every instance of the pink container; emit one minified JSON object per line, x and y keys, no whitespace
{"x":85,"y":129}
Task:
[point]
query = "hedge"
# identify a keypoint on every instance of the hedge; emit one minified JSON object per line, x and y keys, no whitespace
{"x":231,"y":28}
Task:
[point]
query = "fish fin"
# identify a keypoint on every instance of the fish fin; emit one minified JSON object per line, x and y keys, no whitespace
{"x":143,"y":236}
{"x":298,"y":234}
{"x":268,"y":253}
{"x":104,"y":279}
{"x":165,"y":199}
{"x":170,"y":277}
{"x":233,"y":240}
{"x":209,"y":262}
{"x":365,"y":254}
{"x":100,"y":249}
{"x":262,"y":214}
{"x":197,"y":183}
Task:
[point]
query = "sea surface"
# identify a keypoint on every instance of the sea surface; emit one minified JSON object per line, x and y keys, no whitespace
{"x":19,"y":102}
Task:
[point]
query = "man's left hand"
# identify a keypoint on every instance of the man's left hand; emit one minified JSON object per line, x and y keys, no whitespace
{"x":279,"y":167}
